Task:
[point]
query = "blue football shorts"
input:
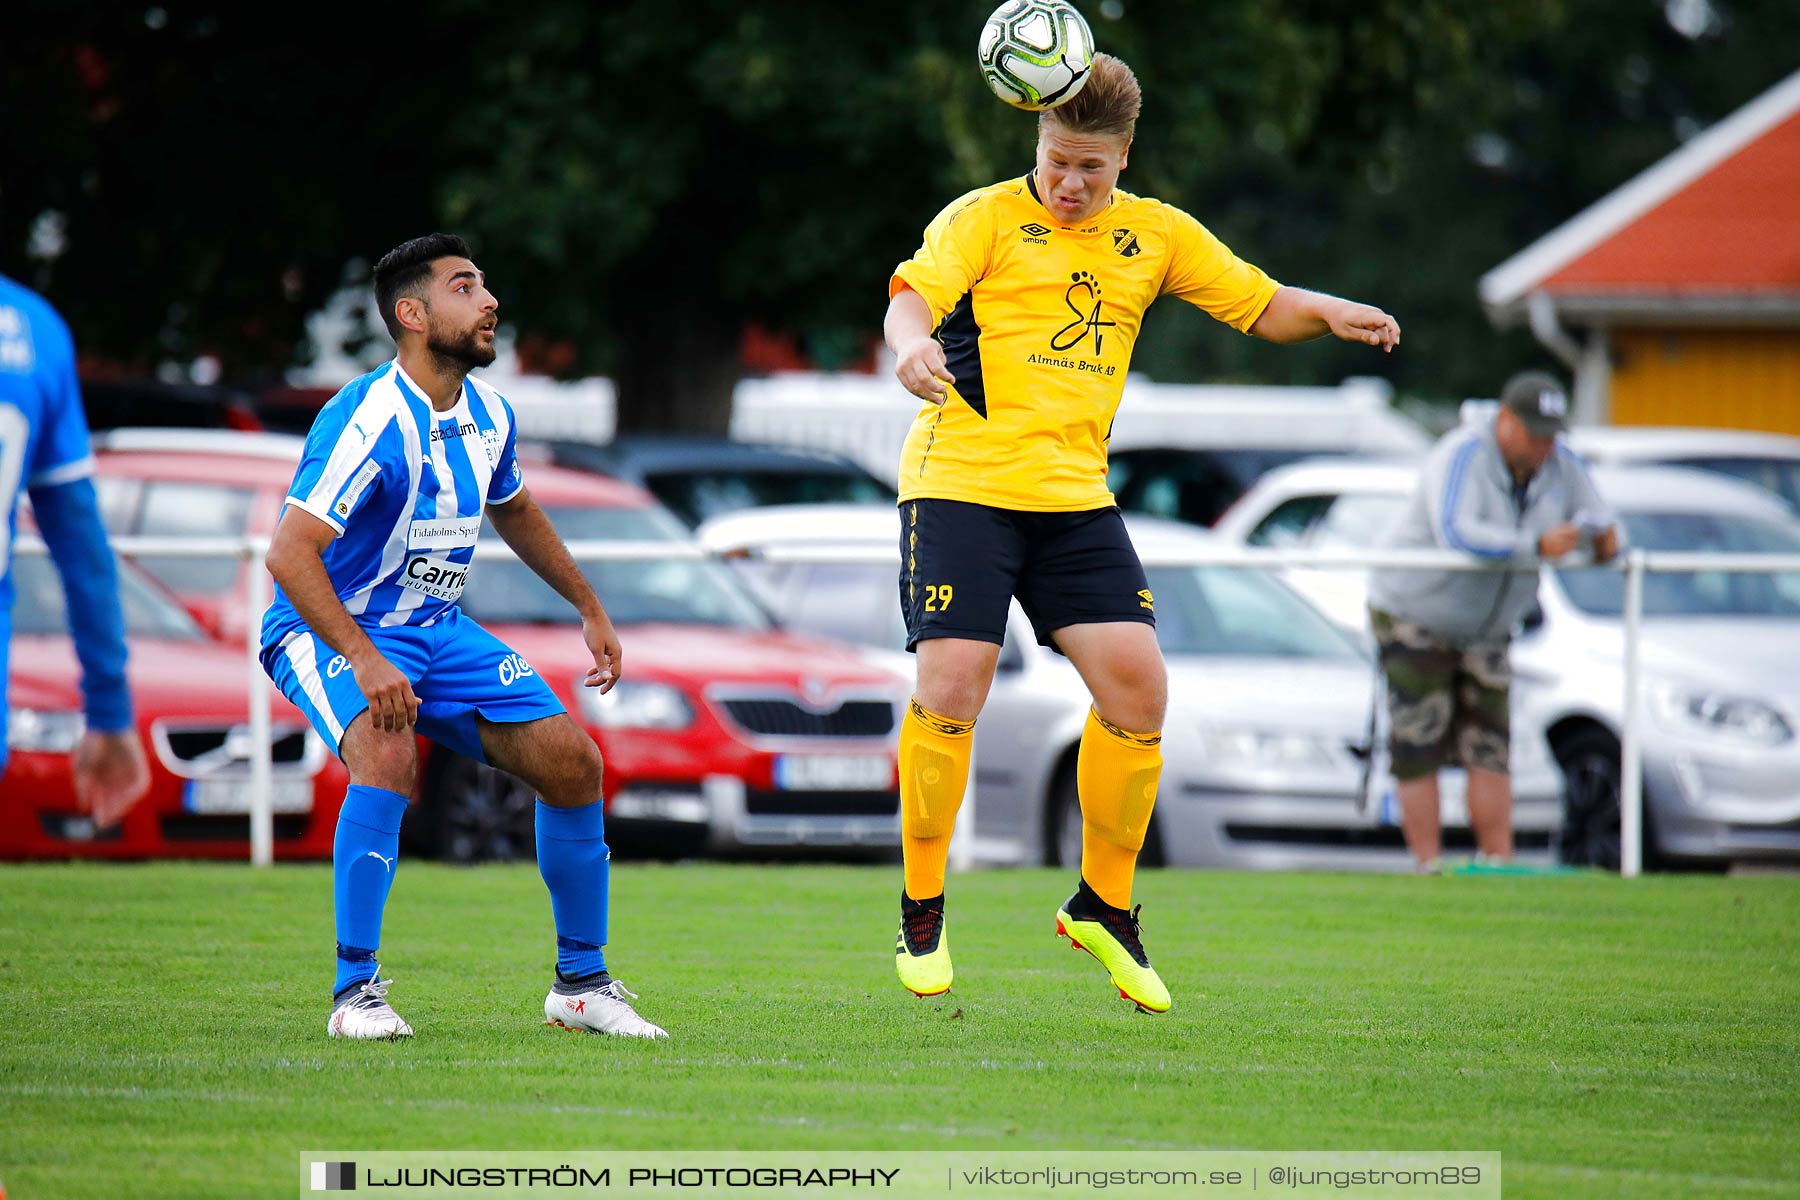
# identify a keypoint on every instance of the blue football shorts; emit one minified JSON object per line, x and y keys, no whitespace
{"x":456,"y":668}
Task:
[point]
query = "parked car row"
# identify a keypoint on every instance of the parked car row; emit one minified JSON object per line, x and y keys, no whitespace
{"x":761,"y":709}
{"x":729,"y":733}
{"x":1273,"y":748}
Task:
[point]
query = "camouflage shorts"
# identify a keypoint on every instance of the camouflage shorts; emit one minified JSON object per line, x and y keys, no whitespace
{"x":1449,"y":705}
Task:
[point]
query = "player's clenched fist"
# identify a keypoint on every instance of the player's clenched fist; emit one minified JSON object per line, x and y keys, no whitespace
{"x":923,"y":371}
{"x":393,"y":707}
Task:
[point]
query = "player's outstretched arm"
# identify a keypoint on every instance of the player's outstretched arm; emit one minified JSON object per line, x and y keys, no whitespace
{"x":1297,"y":315}
{"x":522,"y":525}
{"x":111,"y":773}
{"x":921,"y":369}
{"x":296,"y":560}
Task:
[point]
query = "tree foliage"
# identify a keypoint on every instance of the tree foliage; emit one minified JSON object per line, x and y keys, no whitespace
{"x":208,"y":173}
{"x":642,"y":179}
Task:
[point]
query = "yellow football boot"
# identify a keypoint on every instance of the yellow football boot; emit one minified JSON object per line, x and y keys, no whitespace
{"x":1111,"y":936}
{"x":922,"y":951}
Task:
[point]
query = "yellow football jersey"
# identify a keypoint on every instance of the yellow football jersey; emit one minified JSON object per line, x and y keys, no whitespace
{"x":1037,"y":320}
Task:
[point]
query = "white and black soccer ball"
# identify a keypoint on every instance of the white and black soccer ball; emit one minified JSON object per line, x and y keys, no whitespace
{"x":1036,"y":54}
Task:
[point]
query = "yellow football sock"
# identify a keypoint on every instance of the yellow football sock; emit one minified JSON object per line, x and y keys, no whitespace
{"x":1116,"y":774}
{"x":934,"y":768}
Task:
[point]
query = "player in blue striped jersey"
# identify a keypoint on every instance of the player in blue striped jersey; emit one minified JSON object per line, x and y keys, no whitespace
{"x":44,"y":450}
{"x":372,"y":550}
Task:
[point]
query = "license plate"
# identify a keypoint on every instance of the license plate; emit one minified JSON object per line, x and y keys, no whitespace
{"x":834,"y":772}
{"x":213,"y":797}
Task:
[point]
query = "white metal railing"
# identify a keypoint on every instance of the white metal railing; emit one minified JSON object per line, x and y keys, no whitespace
{"x":1635,"y":565}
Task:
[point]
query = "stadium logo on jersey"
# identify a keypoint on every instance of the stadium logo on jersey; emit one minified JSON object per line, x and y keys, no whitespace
{"x":1125,"y":242}
{"x":1083,"y":299}
{"x":513,"y":667}
{"x":1035,"y":234}
{"x":439,"y":433}
{"x":435,"y":576}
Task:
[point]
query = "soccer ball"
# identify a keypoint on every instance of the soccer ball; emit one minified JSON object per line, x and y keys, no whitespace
{"x":1035,"y":54}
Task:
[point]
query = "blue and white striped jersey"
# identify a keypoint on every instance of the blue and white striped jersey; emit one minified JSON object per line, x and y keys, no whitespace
{"x":404,"y":485}
{"x":44,"y":450}
{"x":43,"y":435}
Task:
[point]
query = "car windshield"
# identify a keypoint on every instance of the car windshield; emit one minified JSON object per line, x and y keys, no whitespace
{"x":1227,"y":612}
{"x":1778,"y":475}
{"x":1697,"y":593}
{"x":39,"y":607}
{"x":681,"y":591}
{"x":695,"y":496}
{"x":849,"y":601}
{"x":1356,"y":521}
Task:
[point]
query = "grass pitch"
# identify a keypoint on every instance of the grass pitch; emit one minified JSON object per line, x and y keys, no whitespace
{"x":164,"y":1025}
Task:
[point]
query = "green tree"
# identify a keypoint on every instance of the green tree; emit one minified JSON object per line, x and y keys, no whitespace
{"x":192,"y":179}
{"x":1569,"y":100}
{"x":641,"y":180}
{"x":652,"y":176}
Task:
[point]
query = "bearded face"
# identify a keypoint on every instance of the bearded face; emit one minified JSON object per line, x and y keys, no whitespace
{"x":471,"y":345}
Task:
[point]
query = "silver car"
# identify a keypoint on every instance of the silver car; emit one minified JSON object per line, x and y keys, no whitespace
{"x":1720,"y":653}
{"x":1266,"y":744}
{"x":1769,"y":460}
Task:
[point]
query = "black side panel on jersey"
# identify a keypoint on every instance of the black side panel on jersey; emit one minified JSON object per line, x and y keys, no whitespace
{"x":961,"y":339}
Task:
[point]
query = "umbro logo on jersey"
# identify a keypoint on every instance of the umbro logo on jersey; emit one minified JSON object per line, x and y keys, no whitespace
{"x":1035,"y":234}
{"x":1125,"y":242}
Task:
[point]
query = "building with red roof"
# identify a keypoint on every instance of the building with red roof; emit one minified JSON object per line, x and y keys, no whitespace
{"x":1675,"y":300}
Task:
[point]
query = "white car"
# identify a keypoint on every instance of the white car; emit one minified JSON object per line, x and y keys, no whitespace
{"x":1266,"y":744}
{"x":1769,"y":460}
{"x":1721,"y":653}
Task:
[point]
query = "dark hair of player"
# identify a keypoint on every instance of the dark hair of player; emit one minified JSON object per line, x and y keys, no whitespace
{"x":406,"y":266}
{"x":1107,"y":104}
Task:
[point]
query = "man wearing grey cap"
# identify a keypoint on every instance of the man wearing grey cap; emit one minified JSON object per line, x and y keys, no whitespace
{"x":1506,"y":490}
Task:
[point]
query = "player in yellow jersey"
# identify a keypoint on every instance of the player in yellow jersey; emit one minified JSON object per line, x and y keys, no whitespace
{"x":1015,"y":322}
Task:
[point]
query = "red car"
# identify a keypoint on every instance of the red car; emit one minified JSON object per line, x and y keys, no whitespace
{"x":189,"y":697}
{"x":725,"y":733}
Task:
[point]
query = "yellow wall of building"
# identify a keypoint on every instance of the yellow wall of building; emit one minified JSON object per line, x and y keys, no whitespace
{"x":1723,"y":378}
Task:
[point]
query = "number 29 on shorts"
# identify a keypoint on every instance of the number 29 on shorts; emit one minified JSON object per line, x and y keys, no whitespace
{"x":937,"y":597}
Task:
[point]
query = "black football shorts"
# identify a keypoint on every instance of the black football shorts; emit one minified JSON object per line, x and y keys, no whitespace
{"x":961,"y":564}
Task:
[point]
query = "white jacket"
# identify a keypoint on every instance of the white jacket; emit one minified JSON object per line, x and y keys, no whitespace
{"x":1466,"y":501}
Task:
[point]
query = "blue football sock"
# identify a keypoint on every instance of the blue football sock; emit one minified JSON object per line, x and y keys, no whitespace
{"x":363,"y":857}
{"x":573,"y":859}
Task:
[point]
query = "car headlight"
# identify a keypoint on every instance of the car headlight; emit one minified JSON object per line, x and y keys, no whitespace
{"x":1268,"y":748}
{"x":1737,"y":717}
{"x":635,"y":706}
{"x":41,"y":731}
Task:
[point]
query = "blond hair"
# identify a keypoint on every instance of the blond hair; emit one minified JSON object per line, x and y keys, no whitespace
{"x":1107,"y":104}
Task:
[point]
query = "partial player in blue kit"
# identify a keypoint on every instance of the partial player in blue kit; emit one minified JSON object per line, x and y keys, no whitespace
{"x":44,"y":451}
{"x":371,"y":553}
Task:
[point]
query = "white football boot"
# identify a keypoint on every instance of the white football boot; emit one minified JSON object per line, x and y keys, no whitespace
{"x":599,"y":1010}
{"x":365,"y":1013}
